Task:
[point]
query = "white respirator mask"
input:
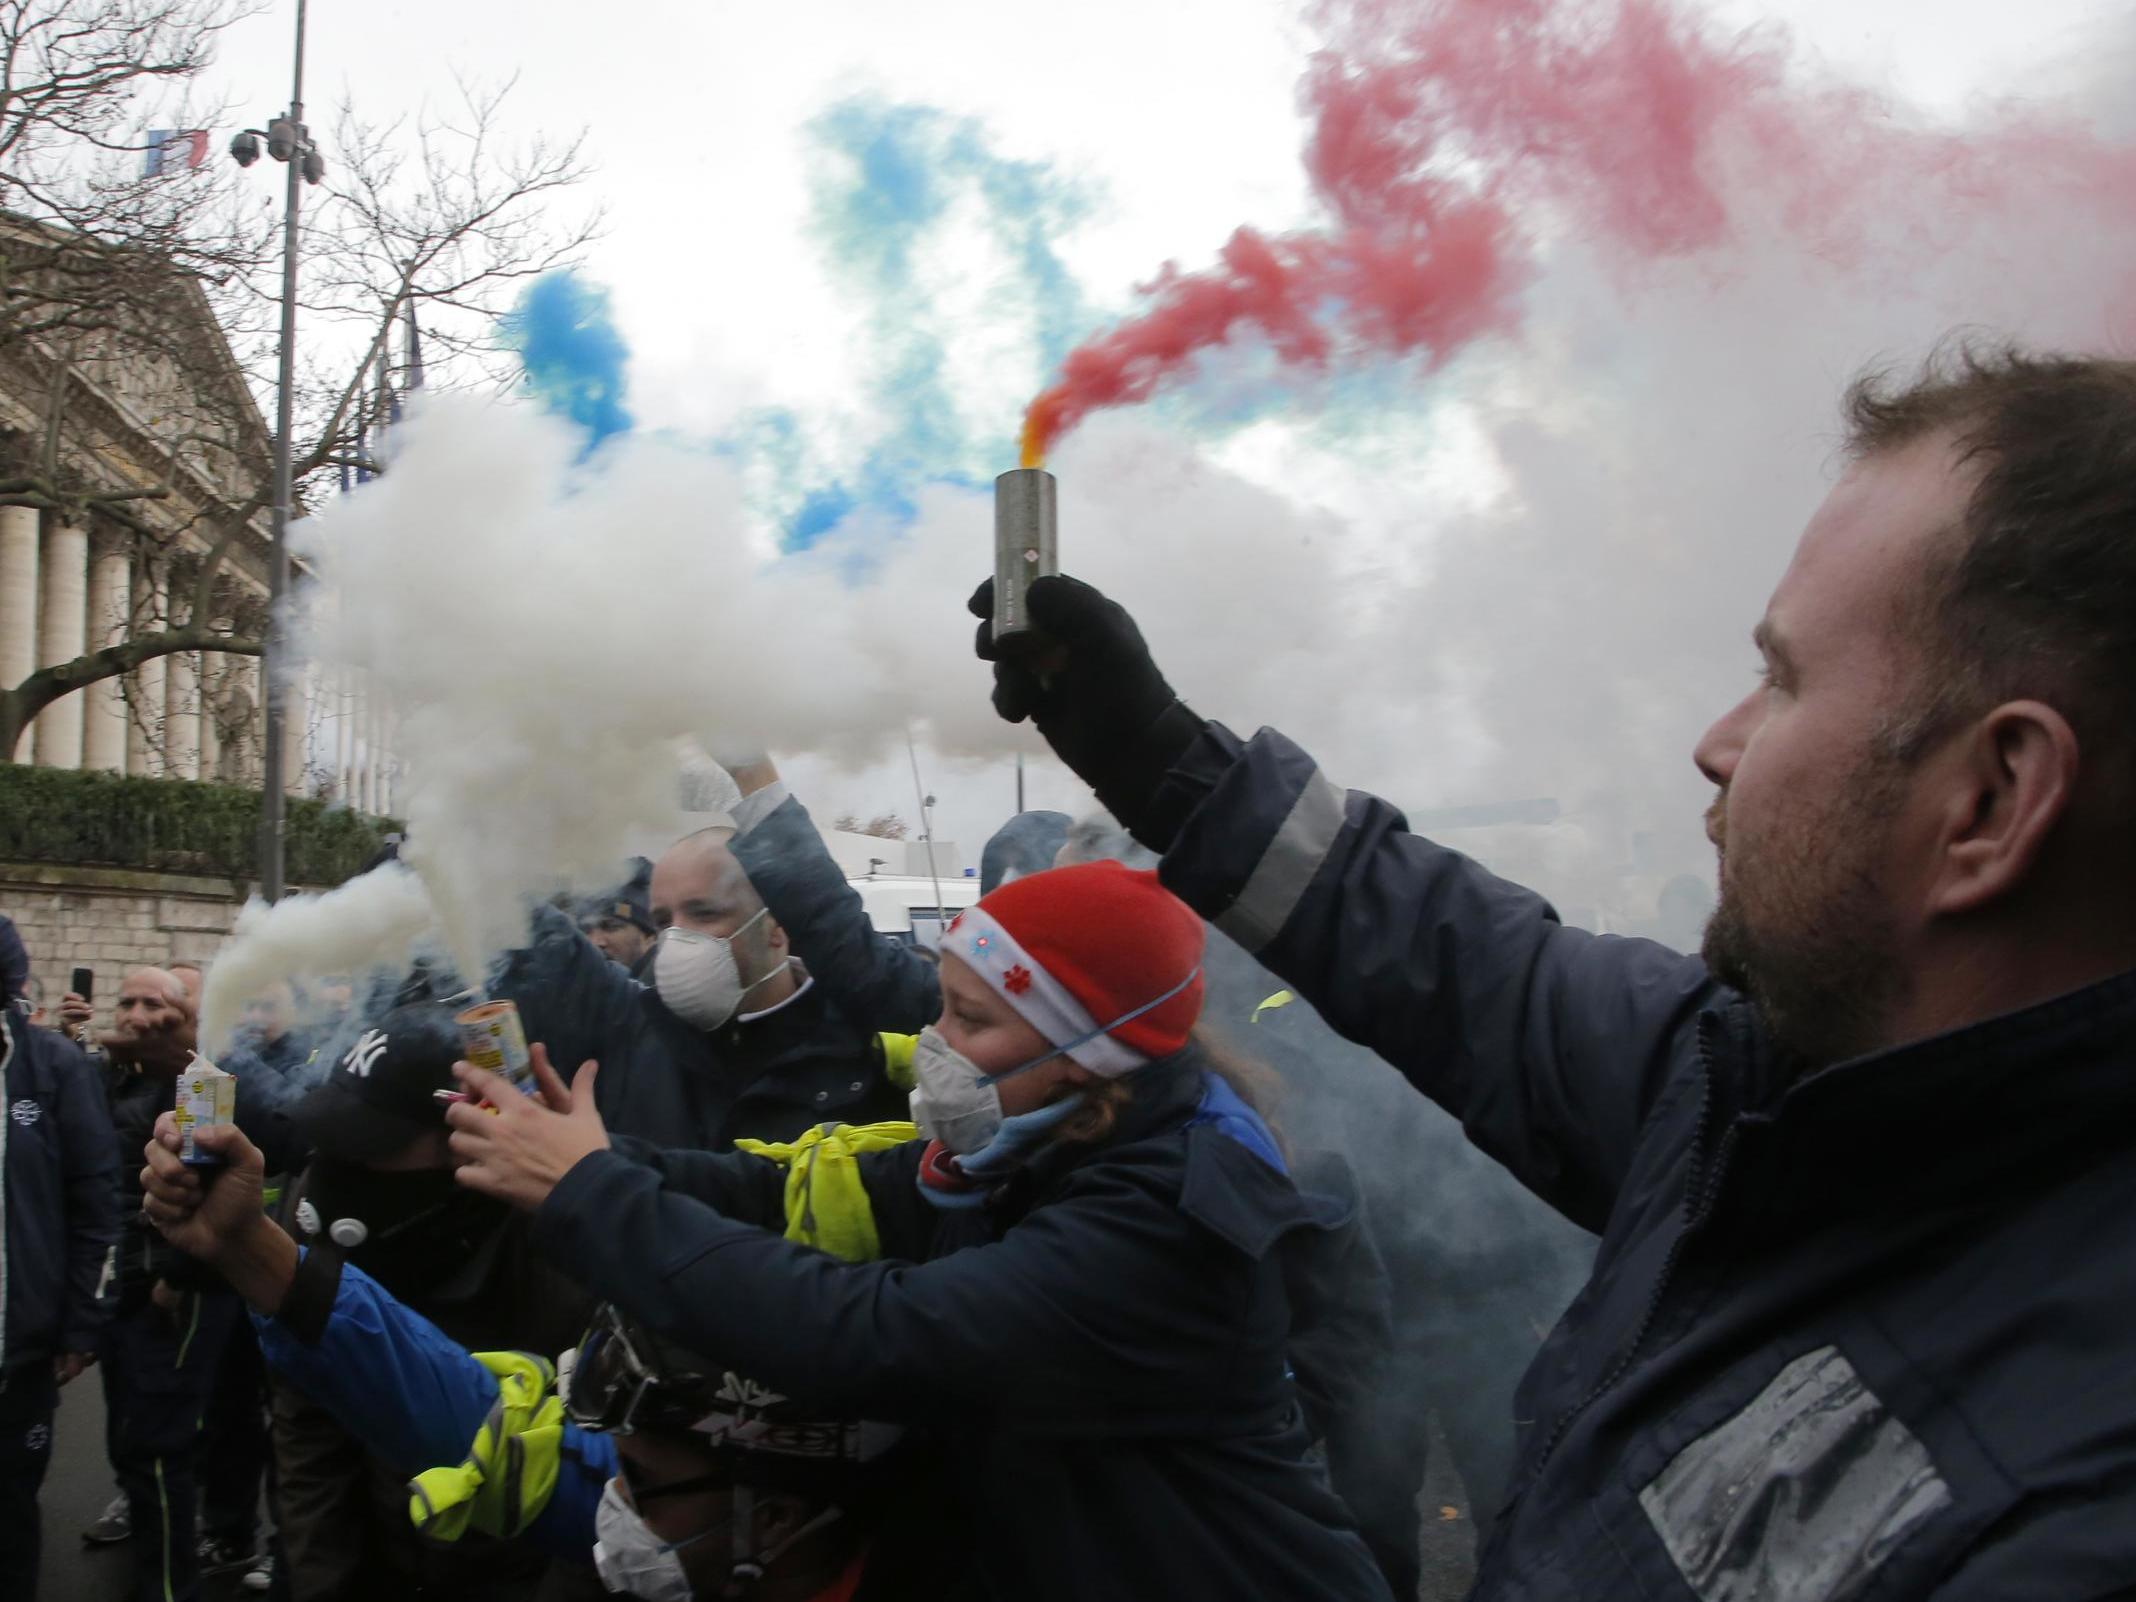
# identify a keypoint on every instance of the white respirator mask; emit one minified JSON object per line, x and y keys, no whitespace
{"x":952,"y":1101}
{"x":696,"y":976}
{"x":631,"y":1559}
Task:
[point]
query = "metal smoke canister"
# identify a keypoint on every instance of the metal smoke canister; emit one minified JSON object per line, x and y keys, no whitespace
{"x":494,"y":1039}
{"x":1026,"y":545}
{"x":206,"y":1098}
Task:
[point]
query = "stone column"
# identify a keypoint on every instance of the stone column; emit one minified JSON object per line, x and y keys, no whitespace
{"x":18,"y":609}
{"x":374,"y":766}
{"x":244,"y":677}
{"x":62,"y":632}
{"x":296,"y":730}
{"x":213,"y":665}
{"x":104,"y":719}
{"x":181,"y":715}
{"x":144,"y":724}
{"x":346,"y":699}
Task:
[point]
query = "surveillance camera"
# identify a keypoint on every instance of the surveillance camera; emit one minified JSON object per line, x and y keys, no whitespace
{"x":314,"y":166}
{"x":282,"y":139}
{"x":245,"y":148}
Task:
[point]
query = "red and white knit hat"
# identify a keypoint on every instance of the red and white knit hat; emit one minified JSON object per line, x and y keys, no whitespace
{"x":1073,"y":949}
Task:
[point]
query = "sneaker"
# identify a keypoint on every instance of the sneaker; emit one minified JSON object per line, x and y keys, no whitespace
{"x":112,"y":1525}
{"x":218,"y":1556}
{"x":260,"y":1577}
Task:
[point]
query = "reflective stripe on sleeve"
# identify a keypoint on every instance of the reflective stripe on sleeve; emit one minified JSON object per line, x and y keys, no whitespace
{"x":1278,"y":881}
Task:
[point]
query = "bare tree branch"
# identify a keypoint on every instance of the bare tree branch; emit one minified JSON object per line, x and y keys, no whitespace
{"x":138,"y":312}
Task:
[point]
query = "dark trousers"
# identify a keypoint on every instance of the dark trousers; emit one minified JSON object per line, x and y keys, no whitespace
{"x":28,"y":1396}
{"x":233,"y":1441}
{"x":159,"y":1373}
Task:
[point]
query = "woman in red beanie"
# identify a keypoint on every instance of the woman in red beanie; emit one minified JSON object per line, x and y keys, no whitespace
{"x":1076,"y":1283}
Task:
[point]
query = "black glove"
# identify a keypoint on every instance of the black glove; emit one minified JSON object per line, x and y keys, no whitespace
{"x":1086,"y":680}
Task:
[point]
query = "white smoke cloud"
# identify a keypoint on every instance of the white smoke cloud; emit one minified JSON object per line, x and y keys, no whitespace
{"x":368,"y":921}
{"x":1538,"y":582}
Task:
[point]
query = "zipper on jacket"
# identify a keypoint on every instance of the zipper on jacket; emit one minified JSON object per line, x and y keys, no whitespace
{"x":1700,"y":1195}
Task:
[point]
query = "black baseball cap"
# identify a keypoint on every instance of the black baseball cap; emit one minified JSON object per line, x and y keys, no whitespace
{"x":382,"y":1093}
{"x":630,"y":902}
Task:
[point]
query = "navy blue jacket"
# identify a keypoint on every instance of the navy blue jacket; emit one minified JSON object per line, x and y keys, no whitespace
{"x":1340,"y":1295}
{"x":1869,"y":1332}
{"x":60,"y":1197}
{"x":876,"y":975}
{"x":769,"y":1078}
{"x":1102,"y":1347}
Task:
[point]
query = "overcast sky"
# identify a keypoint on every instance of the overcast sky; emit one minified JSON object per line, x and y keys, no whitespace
{"x":1180,"y":116}
{"x":1159,"y":127}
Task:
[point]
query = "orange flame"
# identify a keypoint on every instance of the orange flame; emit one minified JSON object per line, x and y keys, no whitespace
{"x":1041,"y":423}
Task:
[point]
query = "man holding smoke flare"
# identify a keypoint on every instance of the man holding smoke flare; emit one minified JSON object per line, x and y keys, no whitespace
{"x":1860,"y":1324}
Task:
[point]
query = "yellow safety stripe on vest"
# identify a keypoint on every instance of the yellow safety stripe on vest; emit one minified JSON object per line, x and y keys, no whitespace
{"x":897,"y":1058}
{"x":826,"y":1204}
{"x":510,"y":1471}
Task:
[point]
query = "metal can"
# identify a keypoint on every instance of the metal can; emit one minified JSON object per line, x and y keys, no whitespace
{"x":206,"y":1099}
{"x":1026,"y":544}
{"x":493,"y":1038}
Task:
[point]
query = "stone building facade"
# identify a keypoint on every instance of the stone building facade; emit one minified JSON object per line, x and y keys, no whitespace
{"x":165,"y":427}
{"x":112,"y":919}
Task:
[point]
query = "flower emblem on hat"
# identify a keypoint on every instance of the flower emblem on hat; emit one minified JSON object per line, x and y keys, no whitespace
{"x":1017,"y":980}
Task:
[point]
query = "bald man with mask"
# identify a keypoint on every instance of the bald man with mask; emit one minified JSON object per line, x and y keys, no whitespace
{"x":731,"y":1038}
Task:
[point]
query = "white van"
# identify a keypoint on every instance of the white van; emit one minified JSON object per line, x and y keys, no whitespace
{"x":905,"y":906}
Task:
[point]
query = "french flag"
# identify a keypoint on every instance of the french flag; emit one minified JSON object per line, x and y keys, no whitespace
{"x":172,"y":148}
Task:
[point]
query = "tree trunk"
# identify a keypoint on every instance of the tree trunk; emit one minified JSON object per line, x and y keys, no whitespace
{"x":20,"y":705}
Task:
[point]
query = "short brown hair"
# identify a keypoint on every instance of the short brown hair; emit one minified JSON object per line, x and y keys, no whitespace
{"x":2037,"y":593}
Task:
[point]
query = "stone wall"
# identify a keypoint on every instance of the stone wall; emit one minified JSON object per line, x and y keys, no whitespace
{"x":113,"y":919}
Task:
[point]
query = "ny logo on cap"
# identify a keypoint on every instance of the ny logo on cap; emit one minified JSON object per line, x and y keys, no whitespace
{"x":365,"y":1052}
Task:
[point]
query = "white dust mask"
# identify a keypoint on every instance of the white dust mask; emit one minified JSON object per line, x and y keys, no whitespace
{"x":696,"y":975}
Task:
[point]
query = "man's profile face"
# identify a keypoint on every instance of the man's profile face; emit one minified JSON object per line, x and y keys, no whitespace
{"x":1812,"y":821}
{"x":619,"y":940}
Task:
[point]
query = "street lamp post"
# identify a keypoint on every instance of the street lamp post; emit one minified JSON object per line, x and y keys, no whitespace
{"x":289,"y":142}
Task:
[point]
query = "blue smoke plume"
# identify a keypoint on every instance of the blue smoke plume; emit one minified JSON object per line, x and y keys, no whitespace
{"x":890,"y":179}
{"x":572,"y":353}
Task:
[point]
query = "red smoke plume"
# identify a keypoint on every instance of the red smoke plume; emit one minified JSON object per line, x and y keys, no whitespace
{"x":1448,"y":137}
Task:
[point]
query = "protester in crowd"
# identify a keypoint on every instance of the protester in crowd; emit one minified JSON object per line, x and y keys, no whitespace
{"x":333,"y":999}
{"x":171,"y":1321}
{"x":1479,"y":1268}
{"x":1080,"y":1290}
{"x":620,"y":923}
{"x":162,"y":1349}
{"x":733,"y":1036}
{"x":675,"y":1476}
{"x":274,"y":1031}
{"x":193,"y":977}
{"x":32,"y":1001}
{"x":59,"y":1204}
{"x":379,"y":1194}
{"x":14,"y":960}
{"x":1853,"y":1327}
{"x":1342,"y":1344}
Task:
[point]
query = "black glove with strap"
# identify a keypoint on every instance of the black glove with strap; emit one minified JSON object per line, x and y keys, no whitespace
{"x":1086,"y":680}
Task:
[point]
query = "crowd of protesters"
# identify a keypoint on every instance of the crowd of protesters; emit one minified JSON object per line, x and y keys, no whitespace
{"x":820,"y":1265}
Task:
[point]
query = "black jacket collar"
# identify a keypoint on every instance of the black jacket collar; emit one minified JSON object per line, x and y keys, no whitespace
{"x":1955,"y":1116}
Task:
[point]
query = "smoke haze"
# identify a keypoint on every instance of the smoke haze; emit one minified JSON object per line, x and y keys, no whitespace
{"x":1520,"y":570}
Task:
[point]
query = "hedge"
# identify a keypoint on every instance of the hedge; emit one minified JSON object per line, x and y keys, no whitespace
{"x":174,"y":826}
